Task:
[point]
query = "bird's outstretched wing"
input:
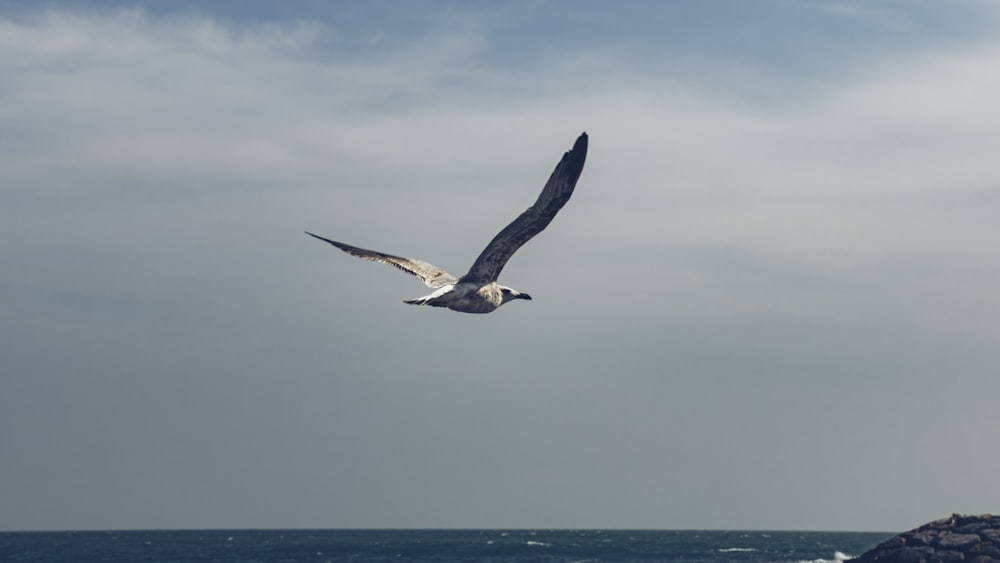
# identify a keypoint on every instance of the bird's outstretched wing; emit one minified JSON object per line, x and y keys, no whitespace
{"x":428,"y":273}
{"x":554,"y":195}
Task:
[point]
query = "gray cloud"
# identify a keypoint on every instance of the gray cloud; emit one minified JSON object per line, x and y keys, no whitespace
{"x":769,"y":306}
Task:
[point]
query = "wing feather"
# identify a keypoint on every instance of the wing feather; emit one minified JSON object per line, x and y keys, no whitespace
{"x":532,"y":221}
{"x":428,"y":273}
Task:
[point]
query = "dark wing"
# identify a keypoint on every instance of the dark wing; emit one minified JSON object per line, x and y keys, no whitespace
{"x":428,"y":273}
{"x":554,"y":195}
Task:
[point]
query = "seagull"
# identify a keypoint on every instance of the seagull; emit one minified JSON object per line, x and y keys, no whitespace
{"x":478,"y":291}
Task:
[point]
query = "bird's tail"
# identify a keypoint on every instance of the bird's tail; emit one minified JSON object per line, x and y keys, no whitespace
{"x":434,"y":299}
{"x":429,"y":300}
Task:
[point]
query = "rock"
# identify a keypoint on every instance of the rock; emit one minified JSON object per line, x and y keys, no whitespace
{"x":966,"y":539}
{"x":946,"y":557}
{"x":926,"y":537}
{"x":986,"y":548}
{"x":957,"y":541}
{"x":914,"y":554}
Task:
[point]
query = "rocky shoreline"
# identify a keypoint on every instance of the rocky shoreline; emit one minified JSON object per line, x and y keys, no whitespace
{"x":972,"y":539}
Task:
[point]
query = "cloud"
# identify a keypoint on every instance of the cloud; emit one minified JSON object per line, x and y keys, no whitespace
{"x":759,"y":264}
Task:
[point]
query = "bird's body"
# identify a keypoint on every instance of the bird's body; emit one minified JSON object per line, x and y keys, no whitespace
{"x":469,"y":297}
{"x":477,"y":291}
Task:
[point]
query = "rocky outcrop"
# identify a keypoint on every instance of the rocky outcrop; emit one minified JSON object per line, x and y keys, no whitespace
{"x":970,"y":539}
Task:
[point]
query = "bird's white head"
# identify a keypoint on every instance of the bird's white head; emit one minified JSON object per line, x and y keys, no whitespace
{"x":510,"y":294}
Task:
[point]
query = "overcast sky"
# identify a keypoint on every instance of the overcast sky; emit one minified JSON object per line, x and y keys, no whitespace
{"x":772,"y":303}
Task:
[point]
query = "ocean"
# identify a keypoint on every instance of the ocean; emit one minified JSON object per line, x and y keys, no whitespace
{"x":516,"y":546}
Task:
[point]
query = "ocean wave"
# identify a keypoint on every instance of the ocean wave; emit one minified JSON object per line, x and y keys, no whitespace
{"x":838,"y":557}
{"x":734,"y":549}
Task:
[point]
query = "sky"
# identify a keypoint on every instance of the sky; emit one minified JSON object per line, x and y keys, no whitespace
{"x":773,"y":301}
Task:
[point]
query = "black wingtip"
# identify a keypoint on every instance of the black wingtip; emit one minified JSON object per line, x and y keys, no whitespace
{"x":575,"y":157}
{"x":320,"y":238}
{"x":580,"y":147}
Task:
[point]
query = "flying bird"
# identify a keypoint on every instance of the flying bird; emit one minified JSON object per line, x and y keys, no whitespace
{"x":478,"y":291}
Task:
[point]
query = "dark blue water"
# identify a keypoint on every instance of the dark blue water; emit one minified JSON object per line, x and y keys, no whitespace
{"x":435,"y":545}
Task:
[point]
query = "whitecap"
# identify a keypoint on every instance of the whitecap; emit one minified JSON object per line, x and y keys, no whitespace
{"x":541,"y":543}
{"x":732,"y":549}
{"x":838,"y":557}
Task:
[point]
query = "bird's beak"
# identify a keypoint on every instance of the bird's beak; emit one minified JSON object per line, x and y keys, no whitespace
{"x":525,"y":296}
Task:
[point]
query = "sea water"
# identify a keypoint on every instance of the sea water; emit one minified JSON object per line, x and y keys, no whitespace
{"x":436,"y":545}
